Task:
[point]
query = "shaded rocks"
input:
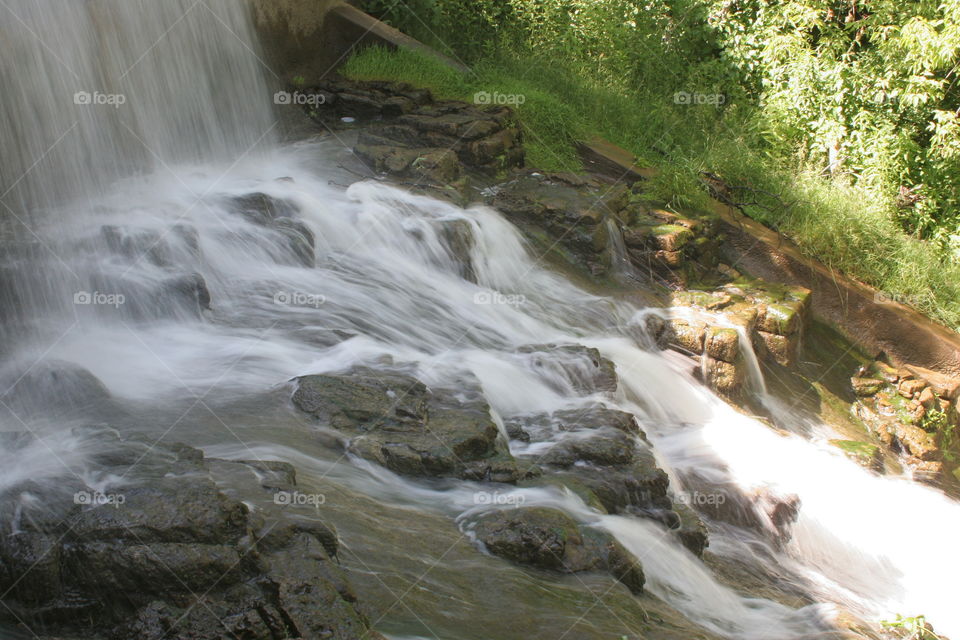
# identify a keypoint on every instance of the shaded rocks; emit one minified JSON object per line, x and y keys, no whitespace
{"x":166,"y":555}
{"x":393,"y":419}
{"x":419,"y":138}
{"x":53,"y":387}
{"x":338,"y":98}
{"x":159,"y":281}
{"x":669,"y":245}
{"x":441,"y":140}
{"x":549,"y":539}
{"x":569,"y":207}
{"x":296,"y":240}
{"x":162,"y":248}
{"x":573,"y":368}
{"x":601,"y":455}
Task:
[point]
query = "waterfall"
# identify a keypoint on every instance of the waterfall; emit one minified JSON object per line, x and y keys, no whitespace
{"x":131,"y":136}
{"x":96,"y":89}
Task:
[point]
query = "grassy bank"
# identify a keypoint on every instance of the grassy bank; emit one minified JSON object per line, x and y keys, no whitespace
{"x":846,"y":227}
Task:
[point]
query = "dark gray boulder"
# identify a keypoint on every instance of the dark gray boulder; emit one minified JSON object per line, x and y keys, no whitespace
{"x":393,"y":419}
{"x":549,"y":539}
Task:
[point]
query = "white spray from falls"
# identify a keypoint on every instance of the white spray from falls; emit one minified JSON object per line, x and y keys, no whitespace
{"x":95,"y":88}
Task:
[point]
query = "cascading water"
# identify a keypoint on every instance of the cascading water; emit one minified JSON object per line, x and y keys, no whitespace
{"x":128,"y":268}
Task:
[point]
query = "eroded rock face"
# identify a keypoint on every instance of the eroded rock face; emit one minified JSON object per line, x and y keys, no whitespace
{"x":167,"y":555}
{"x":675,"y":247}
{"x":419,"y":138}
{"x":393,"y":419}
{"x":53,"y":387}
{"x":297,"y":241}
{"x":601,"y":454}
{"x":773,"y":316}
{"x":549,"y":539}
{"x":571,"y":208}
{"x":574,"y":367}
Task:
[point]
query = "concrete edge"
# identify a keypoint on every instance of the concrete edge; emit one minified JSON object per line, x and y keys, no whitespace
{"x":317,"y":45}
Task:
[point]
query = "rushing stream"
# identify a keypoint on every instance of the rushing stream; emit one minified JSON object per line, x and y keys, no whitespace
{"x":384,"y":289}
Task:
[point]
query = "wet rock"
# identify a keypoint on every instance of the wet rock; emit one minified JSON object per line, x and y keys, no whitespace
{"x":911,"y":388}
{"x":690,"y":529}
{"x":865,"y":454}
{"x":393,"y":419}
{"x":582,"y":368}
{"x":780,"y":349}
{"x":917,"y":442}
{"x":168,"y":555}
{"x":191,"y":289}
{"x":549,"y":539}
{"x":674,"y":247}
{"x":570,"y":210}
{"x":640,"y":485}
{"x":942,"y":385}
{"x":724,"y":377}
{"x":515,"y":429}
{"x":763,"y":510}
{"x":341,"y":97}
{"x":600,"y":451}
{"x":773,"y":316}
{"x":688,"y":334}
{"x":432,"y":164}
{"x":457,"y":237}
{"x":162,"y":248}
{"x":261,"y":208}
{"x":722,"y":344}
{"x":54,"y":387}
{"x":417,"y":136}
{"x":301,"y":240}
{"x":605,"y":448}
{"x":282,"y":217}
{"x":138,"y":298}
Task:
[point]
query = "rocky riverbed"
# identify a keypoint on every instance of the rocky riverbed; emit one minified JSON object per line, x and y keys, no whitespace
{"x":143,"y":538}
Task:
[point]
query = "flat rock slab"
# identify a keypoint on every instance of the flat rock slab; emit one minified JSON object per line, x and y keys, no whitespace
{"x":393,"y":419}
{"x":549,"y":539}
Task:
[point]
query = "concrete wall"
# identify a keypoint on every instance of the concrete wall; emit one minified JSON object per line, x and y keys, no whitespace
{"x":312,"y":38}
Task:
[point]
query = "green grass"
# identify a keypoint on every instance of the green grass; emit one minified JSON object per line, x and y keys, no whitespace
{"x":845,"y":227}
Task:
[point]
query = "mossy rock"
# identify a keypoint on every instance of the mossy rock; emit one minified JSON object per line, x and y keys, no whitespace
{"x":671,"y":237}
{"x":863,"y":453}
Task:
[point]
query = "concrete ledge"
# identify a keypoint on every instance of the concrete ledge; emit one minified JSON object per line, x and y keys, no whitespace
{"x":608,"y":159}
{"x":313,"y":38}
{"x":859,"y":312}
